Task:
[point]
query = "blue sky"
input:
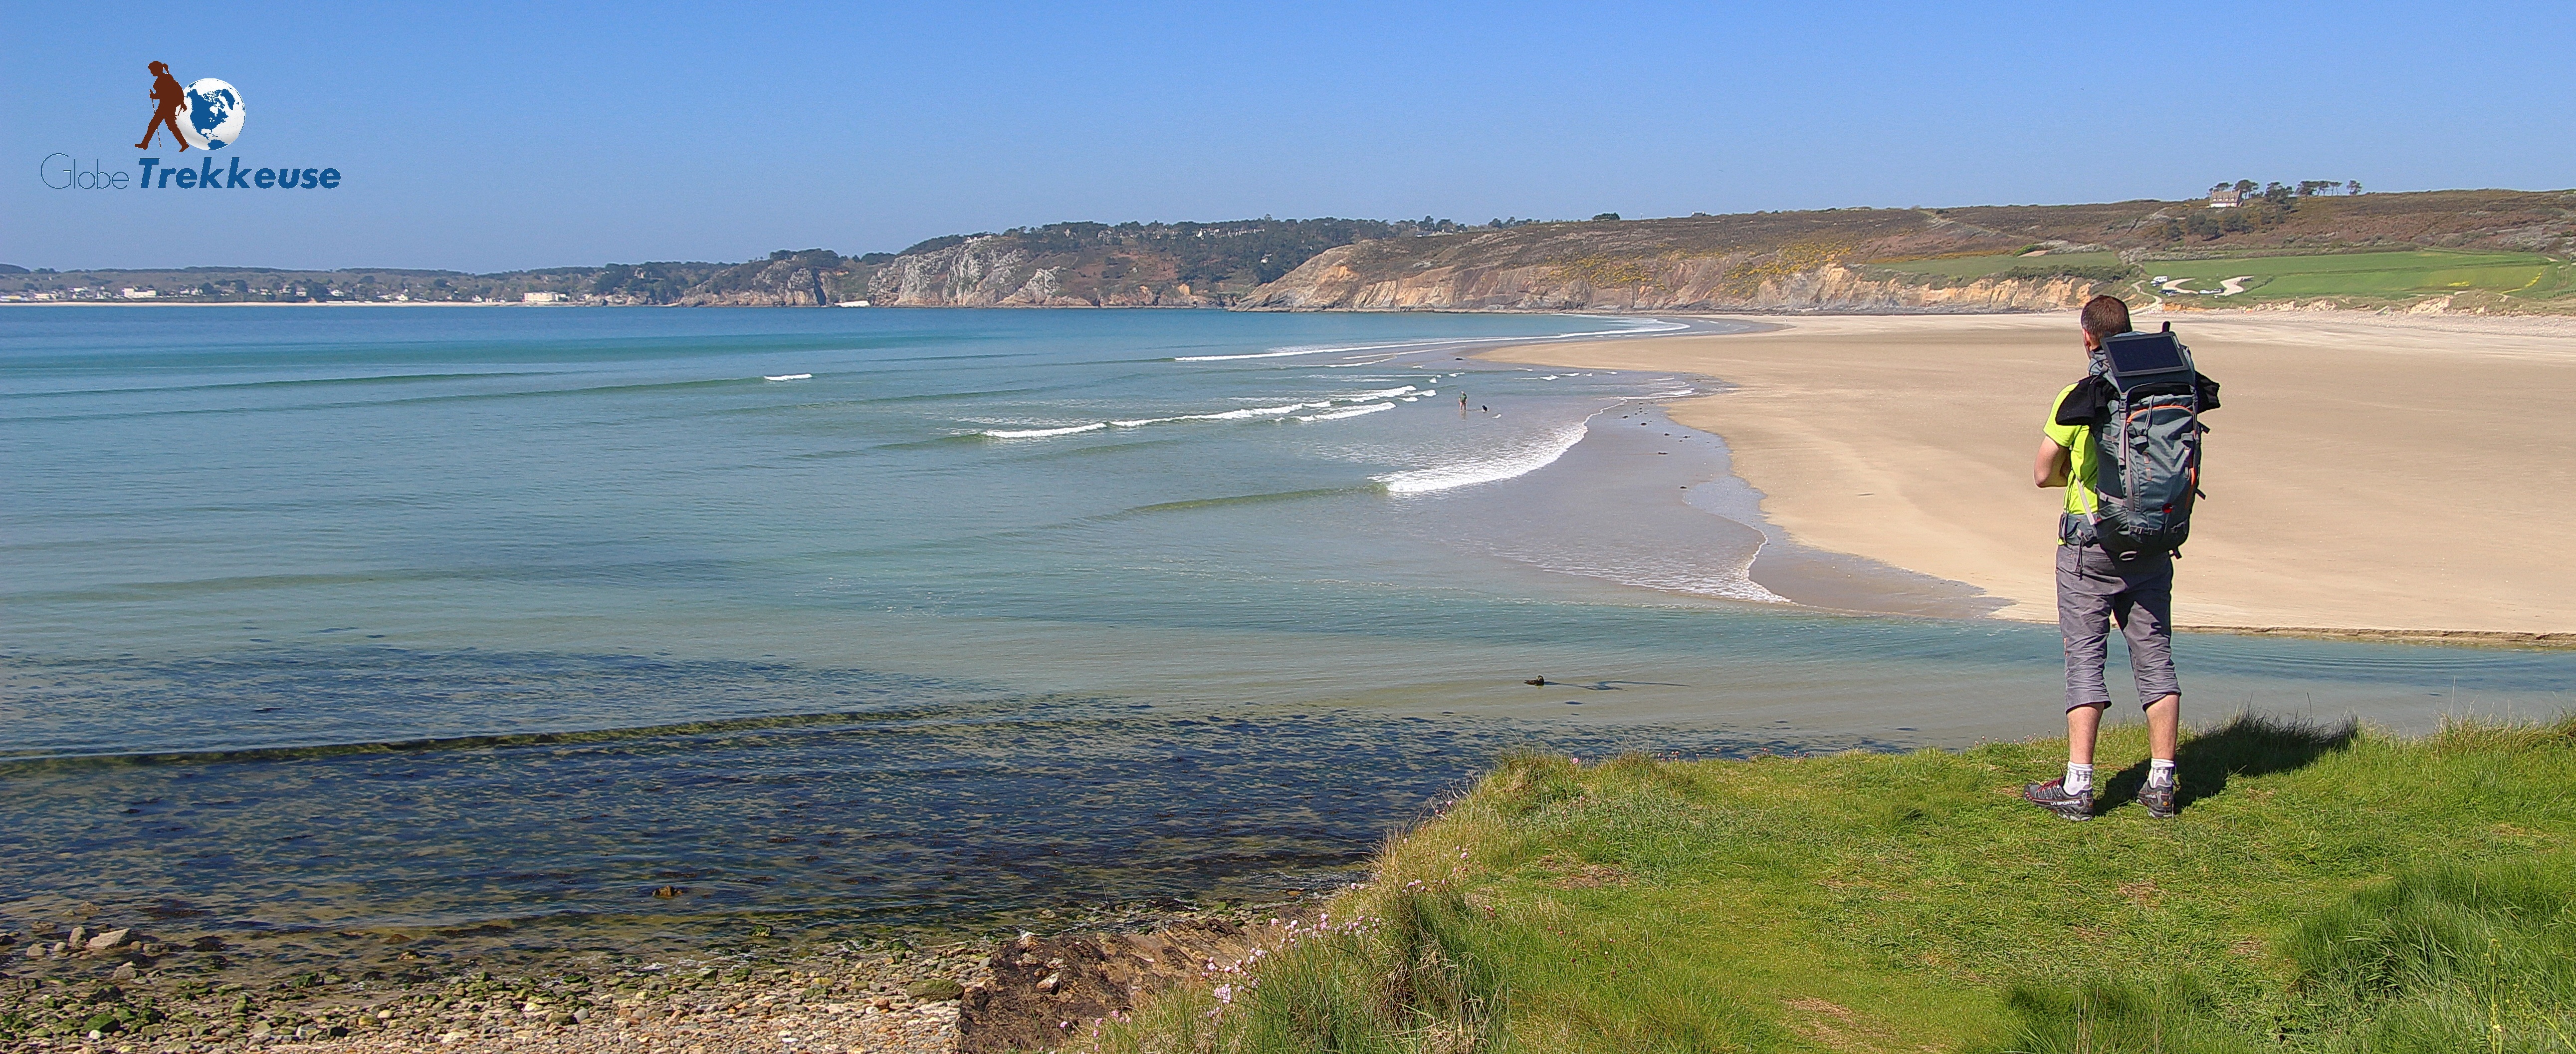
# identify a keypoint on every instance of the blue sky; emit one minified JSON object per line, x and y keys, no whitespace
{"x":486,"y":137}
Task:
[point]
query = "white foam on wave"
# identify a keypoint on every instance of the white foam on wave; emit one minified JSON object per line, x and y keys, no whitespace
{"x":1729,"y":582}
{"x":1255,"y":411}
{"x":1652,"y":325}
{"x":1222,"y":415}
{"x":1506,"y":465}
{"x":790,"y":377}
{"x":1041,"y":433}
{"x":1386,"y":393}
{"x":1350,"y":412}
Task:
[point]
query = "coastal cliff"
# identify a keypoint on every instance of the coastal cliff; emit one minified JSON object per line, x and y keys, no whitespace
{"x":1347,"y":278}
{"x":998,"y":271}
{"x":1110,"y":265}
{"x":786,"y":279}
{"x":2448,"y":251}
{"x":1986,"y":258}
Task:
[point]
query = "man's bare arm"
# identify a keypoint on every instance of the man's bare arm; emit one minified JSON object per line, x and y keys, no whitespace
{"x":2053,"y":464}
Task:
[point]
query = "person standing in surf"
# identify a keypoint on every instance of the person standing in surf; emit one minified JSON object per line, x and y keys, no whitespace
{"x":170,"y":96}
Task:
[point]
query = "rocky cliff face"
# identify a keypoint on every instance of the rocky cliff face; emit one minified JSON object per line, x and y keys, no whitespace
{"x":786,"y":279}
{"x":1596,"y":269}
{"x":999,"y":271}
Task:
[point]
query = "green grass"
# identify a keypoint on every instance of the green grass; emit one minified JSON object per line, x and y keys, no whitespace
{"x":2323,"y":890}
{"x":1985,"y":266}
{"x":2388,"y":276}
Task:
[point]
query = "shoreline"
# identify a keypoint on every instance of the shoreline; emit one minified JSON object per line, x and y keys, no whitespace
{"x":150,"y":985}
{"x":1826,"y":418}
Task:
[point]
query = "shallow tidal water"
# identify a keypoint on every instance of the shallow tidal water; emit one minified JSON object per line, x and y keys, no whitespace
{"x":460,"y":620}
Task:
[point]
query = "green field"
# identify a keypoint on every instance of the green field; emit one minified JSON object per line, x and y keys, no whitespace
{"x":2389,"y":276}
{"x":2323,"y":890}
{"x":1982,"y":266}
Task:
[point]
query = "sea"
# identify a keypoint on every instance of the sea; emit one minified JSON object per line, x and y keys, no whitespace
{"x":500,"y":624}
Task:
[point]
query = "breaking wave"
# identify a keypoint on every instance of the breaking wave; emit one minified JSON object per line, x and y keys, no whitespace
{"x":1352,"y":412}
{"x":1289,"y":410}
{"x":1501,"y":466}
{"x":1041,"y":433}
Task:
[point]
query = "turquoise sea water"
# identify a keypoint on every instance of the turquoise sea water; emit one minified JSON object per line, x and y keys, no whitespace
{"x":973,"y":612}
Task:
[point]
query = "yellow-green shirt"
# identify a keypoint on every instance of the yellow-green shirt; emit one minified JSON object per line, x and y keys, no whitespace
{"x":2078,"y":440}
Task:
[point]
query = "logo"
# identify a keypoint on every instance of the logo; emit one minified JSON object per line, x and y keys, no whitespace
{"x":206,"y":115}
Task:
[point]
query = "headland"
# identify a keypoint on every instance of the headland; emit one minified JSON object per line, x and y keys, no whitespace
{"x":2450,"y":251}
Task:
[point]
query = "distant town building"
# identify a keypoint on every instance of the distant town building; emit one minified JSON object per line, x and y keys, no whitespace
{"x":540,"y":298}
{"x":139,"y":294}
{"x":2225,"y":199}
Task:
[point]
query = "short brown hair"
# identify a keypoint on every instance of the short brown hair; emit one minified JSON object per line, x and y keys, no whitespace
{"x":2106,"y":315}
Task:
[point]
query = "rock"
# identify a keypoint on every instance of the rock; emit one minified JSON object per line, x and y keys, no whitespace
{"x":109,"y":939}
{"x":667,"y":892}
{"x":124,"y":972}
{"x":80,"y":936}
{"x":936,"y":990}
{"x":60,"y":948}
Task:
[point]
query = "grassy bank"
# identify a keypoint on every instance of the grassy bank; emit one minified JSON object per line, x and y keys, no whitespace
{"x":2323,"y":890}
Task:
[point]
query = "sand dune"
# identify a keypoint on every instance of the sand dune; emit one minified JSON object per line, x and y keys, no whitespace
{"x":2365,"y":473}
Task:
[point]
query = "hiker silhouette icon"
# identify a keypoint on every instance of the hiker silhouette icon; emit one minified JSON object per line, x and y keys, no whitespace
{"x":168,"y":99}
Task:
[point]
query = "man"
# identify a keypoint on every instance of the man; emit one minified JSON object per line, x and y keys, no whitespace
{"x":2094,"y":590}
{"x":167,"y":97}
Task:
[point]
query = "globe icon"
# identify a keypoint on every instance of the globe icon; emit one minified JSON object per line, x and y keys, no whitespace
{"x":212,"y":114}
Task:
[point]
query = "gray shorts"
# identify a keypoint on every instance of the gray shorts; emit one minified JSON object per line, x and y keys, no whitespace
{"x":2093,"y":592}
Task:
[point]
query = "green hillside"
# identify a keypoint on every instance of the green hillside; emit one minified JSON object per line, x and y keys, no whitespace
{"x":2322,"y":890}
{"x":2364,"y":276}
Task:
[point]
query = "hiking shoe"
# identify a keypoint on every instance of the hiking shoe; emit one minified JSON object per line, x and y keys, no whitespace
{"x":2158,"y":800}
{"x":2052,"y":796}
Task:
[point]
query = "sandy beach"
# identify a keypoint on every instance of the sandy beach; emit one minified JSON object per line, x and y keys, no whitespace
{"x":2366,"y":472}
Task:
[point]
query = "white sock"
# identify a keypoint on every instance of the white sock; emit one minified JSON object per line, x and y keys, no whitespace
{"x":2079,"y":778}
{"x":2160,"y":772}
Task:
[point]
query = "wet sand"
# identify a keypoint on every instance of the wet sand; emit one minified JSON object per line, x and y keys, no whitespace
{"x":2365,"y":473}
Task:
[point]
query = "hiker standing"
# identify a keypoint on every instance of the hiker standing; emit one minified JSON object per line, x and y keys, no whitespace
{"x":2125,"y":443}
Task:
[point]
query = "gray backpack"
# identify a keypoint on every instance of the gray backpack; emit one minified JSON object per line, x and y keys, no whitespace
{"x":2143,"y":400}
